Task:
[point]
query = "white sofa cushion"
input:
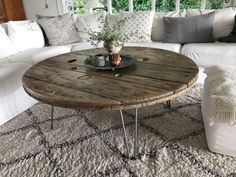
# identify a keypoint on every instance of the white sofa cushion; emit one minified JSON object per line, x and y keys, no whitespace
{"x":88,"y":21}
{"x":25,"y":35}
{"x":158,"y":31}
{"x":209,"y":54}
{"x":6,"y":46}
{"x":32,"y":56}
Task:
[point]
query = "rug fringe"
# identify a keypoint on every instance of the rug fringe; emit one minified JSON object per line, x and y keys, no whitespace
{"x":228,"y":117}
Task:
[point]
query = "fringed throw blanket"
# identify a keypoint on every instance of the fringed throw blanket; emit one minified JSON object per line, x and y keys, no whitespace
{"x":222,"y":89}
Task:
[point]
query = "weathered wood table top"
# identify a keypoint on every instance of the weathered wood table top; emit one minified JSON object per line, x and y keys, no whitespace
{"x":157,"y":76}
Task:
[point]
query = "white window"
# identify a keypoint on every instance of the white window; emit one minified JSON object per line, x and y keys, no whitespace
{"x":115,"y":6}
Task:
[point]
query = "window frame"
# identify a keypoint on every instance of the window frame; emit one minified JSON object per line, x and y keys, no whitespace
{"x":153,"y":5}
{"x":131,"y":5}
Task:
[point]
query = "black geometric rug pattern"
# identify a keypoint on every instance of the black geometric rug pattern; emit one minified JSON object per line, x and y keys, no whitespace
{"x":171,"y":143}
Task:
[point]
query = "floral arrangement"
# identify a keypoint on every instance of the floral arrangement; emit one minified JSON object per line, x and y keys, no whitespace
{"x":113,"y":38}
{"x":110,"y":33}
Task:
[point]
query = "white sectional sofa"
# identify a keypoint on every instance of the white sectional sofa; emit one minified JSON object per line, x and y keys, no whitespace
{"x":13,"y":99}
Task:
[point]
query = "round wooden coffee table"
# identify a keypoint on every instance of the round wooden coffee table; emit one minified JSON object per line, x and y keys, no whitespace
{"x":157,"y":76}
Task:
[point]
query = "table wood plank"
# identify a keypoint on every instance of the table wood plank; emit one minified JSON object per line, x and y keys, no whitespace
{"x":147,"y":70}
{"x":110,"y":88}
{"x":127,"y":75}
{"x":58,"y":96}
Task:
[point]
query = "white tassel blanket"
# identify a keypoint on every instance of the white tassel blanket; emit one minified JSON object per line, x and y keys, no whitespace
{"x":222,"y":89}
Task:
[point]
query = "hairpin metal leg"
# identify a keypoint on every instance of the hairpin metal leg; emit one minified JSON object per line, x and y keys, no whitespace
{"x":136,"y":134}
{"x":52,"y":112}
{"x":125,"y":135}
{"x":168,"y":104}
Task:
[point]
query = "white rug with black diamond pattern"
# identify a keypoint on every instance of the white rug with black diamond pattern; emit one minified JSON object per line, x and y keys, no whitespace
{"x":171,"y":143}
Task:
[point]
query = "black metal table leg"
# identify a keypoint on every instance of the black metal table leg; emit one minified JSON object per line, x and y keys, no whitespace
{"x":52,"y":112}
{"x":168,"y":104}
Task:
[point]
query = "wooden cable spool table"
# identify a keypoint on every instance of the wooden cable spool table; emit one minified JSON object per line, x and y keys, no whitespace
{"x":157,"y":76}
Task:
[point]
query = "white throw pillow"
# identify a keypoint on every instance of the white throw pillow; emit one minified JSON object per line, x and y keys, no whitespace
{"x":6,"y":46}
{"x":84,"y":22}
{"x":25,"y":35}
{"x":158,"y":31}
{"x":195,"y":12}
{"x":224,"y":22}
{"x":139,"y":23}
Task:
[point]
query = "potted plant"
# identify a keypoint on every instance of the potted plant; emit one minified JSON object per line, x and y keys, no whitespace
{"x":112,"y":36}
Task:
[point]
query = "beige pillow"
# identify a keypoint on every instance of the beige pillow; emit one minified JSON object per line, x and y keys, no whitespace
{"x":59,"y":30}
{"x":84,"y":22}
{"x":223,"y":23}
{"x":139,"y":23}
{"x":158,"y":31}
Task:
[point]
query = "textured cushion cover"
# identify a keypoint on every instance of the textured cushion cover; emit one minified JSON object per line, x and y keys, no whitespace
{"x":84,"y":22}
{"x":220,"y":136}
{"x":44,"y":34}
{"x":25,"y":35}
{"x":158,"y":31}
{"x":6,"y":46}
{"x":139,"y":23}
{"x":59,"y":30}
{"x":194,"y":29}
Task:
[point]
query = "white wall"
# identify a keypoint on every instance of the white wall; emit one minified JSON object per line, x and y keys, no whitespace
{"x":33,"y":7}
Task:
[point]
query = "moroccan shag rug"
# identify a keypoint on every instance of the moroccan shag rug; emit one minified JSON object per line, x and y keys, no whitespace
{"x":171,"y":143}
